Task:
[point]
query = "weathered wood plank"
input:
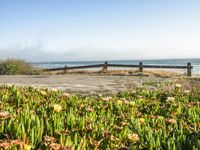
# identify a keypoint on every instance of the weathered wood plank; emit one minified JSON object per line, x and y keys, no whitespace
{"x":148,"y":66}
{"x":120,"y":65}
{"x":166,"y":67}
{"x":75,"y":67}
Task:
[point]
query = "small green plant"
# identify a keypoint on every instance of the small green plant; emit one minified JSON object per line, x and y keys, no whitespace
{"x":17,"y":67}
{"x":32,"y":118}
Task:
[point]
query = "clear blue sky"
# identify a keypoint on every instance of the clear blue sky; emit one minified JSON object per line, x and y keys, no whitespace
{"x":40,"y":30}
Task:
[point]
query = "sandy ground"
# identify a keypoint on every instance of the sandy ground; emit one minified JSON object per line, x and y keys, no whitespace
{"x":83,"y":84}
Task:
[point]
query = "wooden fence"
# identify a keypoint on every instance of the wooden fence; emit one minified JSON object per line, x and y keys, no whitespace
{"x":105,"y":66}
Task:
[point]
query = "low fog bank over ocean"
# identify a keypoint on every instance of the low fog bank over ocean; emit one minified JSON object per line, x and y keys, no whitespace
{"x":195,"y":63}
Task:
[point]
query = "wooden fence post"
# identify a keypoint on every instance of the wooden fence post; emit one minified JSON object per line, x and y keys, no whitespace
{"x":105,"y":67}
{"x":65,"y":69}
{"x":189,"y":69}
{"x":140,"y":67}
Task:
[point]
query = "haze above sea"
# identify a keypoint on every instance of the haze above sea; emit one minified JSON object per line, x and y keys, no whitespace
{"x":182,"y":62}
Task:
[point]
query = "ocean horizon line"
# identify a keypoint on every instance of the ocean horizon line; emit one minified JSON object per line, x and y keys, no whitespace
{"x":103,"y":60}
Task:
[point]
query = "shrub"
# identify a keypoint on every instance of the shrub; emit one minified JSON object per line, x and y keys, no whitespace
{"x":17,"y":67}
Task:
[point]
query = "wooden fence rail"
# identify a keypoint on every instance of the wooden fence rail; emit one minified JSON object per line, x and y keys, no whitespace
{"x":105,"y":66}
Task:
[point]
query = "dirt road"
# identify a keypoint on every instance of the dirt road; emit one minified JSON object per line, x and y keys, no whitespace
{"x":84,"y":84}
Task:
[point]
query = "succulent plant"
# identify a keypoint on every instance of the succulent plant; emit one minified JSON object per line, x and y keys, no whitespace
{"x":32,"y":118}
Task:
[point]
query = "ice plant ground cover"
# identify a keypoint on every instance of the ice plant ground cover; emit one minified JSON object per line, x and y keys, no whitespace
{"x":32,"y":118}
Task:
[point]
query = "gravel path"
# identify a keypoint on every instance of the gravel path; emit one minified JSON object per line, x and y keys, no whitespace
{"x":83,"y":84}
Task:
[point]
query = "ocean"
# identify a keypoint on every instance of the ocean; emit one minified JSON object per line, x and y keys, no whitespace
{"x":182,"y":62}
